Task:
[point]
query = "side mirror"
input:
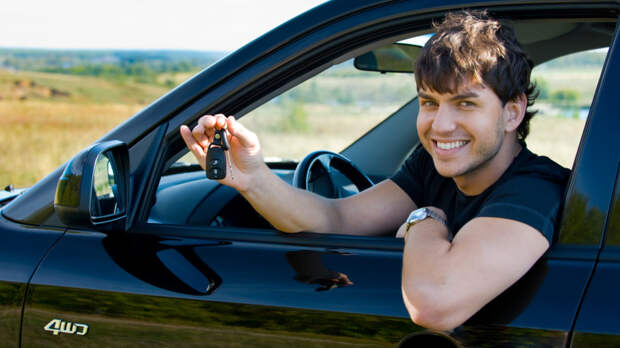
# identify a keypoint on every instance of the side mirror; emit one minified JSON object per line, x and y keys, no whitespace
{"x":396,"y":57}
{"x":93,"y":190}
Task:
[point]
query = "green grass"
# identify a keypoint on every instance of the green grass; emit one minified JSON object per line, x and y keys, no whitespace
{"x":38,"y":136}
{"x":82,"y":89}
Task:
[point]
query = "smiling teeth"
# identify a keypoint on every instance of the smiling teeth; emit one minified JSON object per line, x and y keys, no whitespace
{"x":452,"y":145}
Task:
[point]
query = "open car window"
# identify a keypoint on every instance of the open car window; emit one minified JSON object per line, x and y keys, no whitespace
{"x":326,"y":112}
{"x":566,"y":87}
{"x":329,"y":111}
{"x":339,"y":106}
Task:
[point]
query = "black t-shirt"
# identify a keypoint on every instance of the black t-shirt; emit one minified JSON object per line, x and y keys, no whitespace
{"x":531,"y":190}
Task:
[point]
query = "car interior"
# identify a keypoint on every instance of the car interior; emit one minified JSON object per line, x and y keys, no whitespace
{"x":186,"y":197}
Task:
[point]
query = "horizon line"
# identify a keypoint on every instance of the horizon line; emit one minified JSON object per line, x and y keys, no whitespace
{"x":42,"y":48}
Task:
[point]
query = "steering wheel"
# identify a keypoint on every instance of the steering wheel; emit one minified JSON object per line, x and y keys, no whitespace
{"x":328,"y":173}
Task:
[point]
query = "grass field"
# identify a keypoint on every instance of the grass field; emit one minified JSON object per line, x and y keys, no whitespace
{"x":555,"y":137}
{"x":75,"y":89}
{"x":40,"y":129}
{"x":583,"y":81}
{"x":45,"y":119}
{"x":38,"y":136}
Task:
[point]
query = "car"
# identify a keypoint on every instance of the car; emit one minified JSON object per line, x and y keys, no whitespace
{"x":129,"y":244}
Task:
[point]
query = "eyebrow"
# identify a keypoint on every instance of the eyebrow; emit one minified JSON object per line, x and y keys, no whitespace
{"x":464,"y":95}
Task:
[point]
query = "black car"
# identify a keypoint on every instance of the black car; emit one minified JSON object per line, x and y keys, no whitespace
{"x":128,"y":244}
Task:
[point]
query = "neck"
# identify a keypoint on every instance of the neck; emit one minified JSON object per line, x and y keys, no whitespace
{"x":475,"y":182}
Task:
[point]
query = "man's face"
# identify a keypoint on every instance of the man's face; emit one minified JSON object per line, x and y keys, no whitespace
{"x":462,"y":131}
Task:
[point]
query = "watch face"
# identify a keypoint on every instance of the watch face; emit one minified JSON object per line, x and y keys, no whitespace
{"x":418,"y":215}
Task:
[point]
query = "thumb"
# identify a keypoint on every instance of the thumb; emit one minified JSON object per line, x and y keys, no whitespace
{"x":246,"y":137}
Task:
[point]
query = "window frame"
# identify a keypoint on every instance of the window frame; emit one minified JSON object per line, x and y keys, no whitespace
{"x":348,"y":38}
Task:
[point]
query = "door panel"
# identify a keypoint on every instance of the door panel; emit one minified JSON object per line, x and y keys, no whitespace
{"x":266,"y":295}
{"x":537,"y":311}
{"x":598,"y":323}
{"x":138,"y":289}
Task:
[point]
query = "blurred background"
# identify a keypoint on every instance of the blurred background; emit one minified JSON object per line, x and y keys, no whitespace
{"x":72,"y":70}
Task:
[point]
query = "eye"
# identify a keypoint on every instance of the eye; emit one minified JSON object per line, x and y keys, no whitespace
{"x":428,"y":103}
{"x":466,"y":104}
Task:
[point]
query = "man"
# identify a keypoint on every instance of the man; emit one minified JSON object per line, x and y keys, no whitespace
{"x":476,"y":208}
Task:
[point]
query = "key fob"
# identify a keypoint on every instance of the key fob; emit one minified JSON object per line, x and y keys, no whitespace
{"x":216,"y":163}
{"x":221,"y":139}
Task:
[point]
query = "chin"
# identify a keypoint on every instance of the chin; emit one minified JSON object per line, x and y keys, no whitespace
{"x":449,"y":170}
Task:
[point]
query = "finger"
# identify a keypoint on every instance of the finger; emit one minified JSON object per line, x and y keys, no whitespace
{"x":208,"y":124}
{"x":245,"y":137}
{"x":220,"y":121}
{"x":200,"y":135}
{"x":192,"y":144}
{"x":208,"y":121}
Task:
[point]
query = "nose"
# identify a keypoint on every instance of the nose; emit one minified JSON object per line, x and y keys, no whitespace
{"x":444,"y":120}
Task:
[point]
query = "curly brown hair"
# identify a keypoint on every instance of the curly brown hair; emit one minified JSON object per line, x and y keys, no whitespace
{"x":473,"y":46}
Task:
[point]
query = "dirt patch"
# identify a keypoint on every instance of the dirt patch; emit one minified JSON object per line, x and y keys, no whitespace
{"x":24,"y":89}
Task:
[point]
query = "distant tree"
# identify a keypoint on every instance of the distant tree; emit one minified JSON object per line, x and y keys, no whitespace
{"x":542,"y":87}
{"x":297,"y":119}
{"x":565,"y":97}
{"x":169,"y":83}
{"x":293,"y":119}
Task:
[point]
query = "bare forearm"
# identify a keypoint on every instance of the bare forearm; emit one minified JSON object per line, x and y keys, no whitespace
{"x":287,"y":208}
{"x":426,"y":275}
{"x":426,"y":257}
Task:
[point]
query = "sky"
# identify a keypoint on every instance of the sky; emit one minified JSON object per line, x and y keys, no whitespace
{"x":205,"y":25}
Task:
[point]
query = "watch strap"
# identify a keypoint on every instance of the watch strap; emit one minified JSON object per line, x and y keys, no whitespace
{"x":422,"y":214}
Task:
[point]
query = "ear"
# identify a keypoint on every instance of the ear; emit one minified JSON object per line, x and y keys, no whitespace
{"x":514,"y":111}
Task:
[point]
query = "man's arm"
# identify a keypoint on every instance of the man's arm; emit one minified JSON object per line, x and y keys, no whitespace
{"x":377,"y":210}
{"x":444,"y":283}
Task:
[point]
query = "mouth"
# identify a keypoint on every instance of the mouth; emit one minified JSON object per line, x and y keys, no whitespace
{"x":448,"y":147}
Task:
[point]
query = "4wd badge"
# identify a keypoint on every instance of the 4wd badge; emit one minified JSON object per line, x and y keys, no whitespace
{"x":57,"y":326}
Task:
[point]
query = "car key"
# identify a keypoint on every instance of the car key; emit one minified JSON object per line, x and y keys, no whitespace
{"x":216,"y":157}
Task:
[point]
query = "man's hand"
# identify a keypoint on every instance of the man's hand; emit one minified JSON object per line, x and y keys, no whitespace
{"x":245,"y":152}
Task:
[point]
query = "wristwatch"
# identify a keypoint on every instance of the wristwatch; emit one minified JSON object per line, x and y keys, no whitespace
{"x":419,"y":215}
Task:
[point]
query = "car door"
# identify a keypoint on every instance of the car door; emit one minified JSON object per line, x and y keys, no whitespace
{"x":189,"y":290}
{"x":183,"y":285}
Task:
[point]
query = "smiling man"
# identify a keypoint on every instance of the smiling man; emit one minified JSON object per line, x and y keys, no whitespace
{"x":476,"y":208}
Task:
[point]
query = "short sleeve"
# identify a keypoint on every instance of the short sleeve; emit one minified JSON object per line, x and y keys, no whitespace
{"x":411,"y":176}
{"x":532,"y":200}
